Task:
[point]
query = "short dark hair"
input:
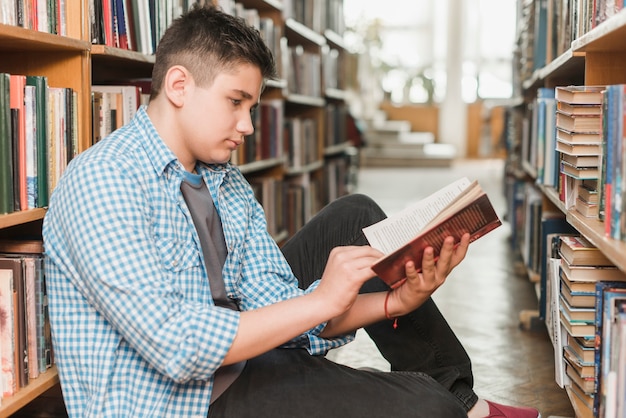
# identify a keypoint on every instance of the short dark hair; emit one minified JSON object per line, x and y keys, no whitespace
{"x":207,"y":41}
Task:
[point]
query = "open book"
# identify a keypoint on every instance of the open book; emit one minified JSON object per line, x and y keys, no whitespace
{"x":459,"y":208}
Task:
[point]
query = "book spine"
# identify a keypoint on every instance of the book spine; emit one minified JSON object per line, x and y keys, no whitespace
{"x":6,"y":148}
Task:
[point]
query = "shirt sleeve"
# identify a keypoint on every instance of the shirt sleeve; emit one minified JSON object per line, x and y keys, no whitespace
{"x":264,"y":277}
{"x":101,"y":238}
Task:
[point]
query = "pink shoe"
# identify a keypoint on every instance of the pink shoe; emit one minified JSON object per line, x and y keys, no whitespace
{"x":503,"y":411}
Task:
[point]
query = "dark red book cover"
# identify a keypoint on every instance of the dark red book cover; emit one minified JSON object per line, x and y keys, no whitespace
{"x":478,"y":218}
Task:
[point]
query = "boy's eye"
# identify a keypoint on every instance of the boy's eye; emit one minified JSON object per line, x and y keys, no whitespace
{"x":236,"y":102}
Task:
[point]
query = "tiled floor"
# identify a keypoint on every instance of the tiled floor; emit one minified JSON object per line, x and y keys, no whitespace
{"x":482,"y":298}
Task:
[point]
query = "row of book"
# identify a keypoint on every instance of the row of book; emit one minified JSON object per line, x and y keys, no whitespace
{"x":586,"y":293}
{"x":266,"y":142}
{"x":25,"y":338}
{"x":136,"y":25}
{"x":317,"y":15}
{"x":547,"y":28}
{"x":38,"y":133}
{"x":113,"y":106}
{"x":304,"y":74}
{"x":301,"y":142}
{"x":38,"y":137}
{"x":40,"y":15}
{"x":576,"y":145}
{"x":289,"y":203}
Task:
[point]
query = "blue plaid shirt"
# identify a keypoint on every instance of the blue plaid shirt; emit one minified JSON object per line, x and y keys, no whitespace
{"x":135,"y":330}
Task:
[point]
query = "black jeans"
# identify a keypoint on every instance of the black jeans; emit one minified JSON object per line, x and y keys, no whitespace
{"x":431,"y":372}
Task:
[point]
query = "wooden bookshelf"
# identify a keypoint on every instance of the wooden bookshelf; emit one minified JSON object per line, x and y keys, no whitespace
{"x":34,"y":389}
{"x":595,"y":57}
{"x":72,"y":61}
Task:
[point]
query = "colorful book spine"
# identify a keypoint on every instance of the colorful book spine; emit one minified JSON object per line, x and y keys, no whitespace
{"x":6,"y":147}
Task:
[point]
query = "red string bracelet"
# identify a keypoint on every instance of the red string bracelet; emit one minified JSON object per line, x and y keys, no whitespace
{"x":395,"y":319}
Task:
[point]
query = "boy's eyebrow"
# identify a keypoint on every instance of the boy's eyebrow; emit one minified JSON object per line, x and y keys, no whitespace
{"x":243,"y":93}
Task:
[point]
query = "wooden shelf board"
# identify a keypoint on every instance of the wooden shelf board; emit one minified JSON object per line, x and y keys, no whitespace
{"x":592,"y":229}
{"x":607,"y":36}
{"x":336,"y":149}
{"x":21,"y":217}
{"x":25,"y":395}
{"x":301,"y":34}
{"x":567,"y":65}
{"x":103,"y":51}
{"x":15,"y":38}
{"x":300,"y":99}
{"x":294,"y":171}
{"x":580,"y":409}
{"x":334,"y":39}
{"x":276,"y":84}
{"x":261,"y":165}
{"x":335,"y":94}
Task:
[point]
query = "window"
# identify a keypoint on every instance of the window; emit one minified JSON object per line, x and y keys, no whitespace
{"x":406,"y":41}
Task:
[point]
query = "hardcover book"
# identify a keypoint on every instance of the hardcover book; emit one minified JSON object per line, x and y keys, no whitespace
{"x":578,"y":251}
{"x":591,"y":273}
{"x":580,"y":94}
{"x":459,"y":208}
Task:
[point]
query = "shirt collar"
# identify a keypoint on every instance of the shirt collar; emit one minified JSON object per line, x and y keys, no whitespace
{"x":161,"y":156}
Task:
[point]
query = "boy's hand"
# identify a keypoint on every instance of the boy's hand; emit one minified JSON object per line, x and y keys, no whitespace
{"x":418,"y":287}
{"x":346,"y":270}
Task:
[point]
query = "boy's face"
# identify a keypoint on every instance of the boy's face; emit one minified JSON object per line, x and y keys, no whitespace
{"x":218,"y":117}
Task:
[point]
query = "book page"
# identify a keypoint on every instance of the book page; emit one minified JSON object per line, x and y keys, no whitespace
{"x":392,"y":233}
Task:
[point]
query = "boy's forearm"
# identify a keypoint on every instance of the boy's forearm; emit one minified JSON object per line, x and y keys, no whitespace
{"x":263,"y":329}
{"x":367,"y":309}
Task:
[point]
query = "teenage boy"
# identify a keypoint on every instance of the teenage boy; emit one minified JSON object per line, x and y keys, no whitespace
{"x":168,"y":298}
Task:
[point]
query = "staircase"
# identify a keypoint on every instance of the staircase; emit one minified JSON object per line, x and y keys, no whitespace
{"x":391,"y":143}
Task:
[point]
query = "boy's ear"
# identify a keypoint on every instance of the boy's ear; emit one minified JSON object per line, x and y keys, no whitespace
{"x":177,"y":82}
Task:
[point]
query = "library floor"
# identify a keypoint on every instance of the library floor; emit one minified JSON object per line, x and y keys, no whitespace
{"x":481,"y":299}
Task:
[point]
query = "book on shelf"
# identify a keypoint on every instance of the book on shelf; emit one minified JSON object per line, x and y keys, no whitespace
{"x":579,"y":123}
{"x":459,"y":208}
{"x":577,"y":299}
{"x":19,"y":314}
{"x":8,"y":342}
{"x":608,"y":295}
{"x":40,"y":83}
{"x":579,"y":273}
{"x":587,"y":209}
{"x":577,"y":250}
{"x":579,"y":172}
{"x":17,"y":86}
{"x":586,"y":384}
{"x":556,"y":331}
{"x":573,"y":137}
{"x":6,"y":148}
{"x":583,"y":351}
{"x":583,"y":369}
{"x":124,"y":100}
{"x":579,"y":109}
{"x":612,"y":199}
{"x":552,"y":225}
{"x":30,"y":108}
{"x":573,"y":148}
{"x":577,"y":314}
{"x":579,"y":94}
{"x":588,"y":194}
{"x":615,"y":401}
{"x":576,"y":285}
{"x":585,"y":406}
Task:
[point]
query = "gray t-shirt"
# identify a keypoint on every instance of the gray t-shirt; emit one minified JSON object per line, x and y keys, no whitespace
{"x":209,"y":228}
